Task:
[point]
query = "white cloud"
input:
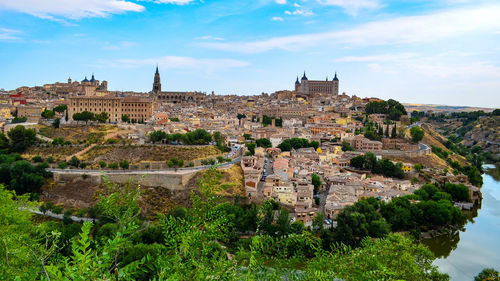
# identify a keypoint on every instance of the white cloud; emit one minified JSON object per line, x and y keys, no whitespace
{"x":300,"y":12}
{"x":119,"y":45}
{"x":296,"y":5}
{"x":72,"y":9}
{"x":352,"y":6}
{"x":377,"y":58}
{"x":480,"y":69}
{"x":277,"y":18}
{"x":402,"y":30}
{"x":281,"y":2}
{"x":442,"y":65}
{"x":176,"y":62}
{"x":209,"y":37}
{"x":8,"y":34}
{"x":176,"y":2}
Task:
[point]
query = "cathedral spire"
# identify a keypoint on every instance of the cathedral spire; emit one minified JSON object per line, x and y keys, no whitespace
{"x":157,"y":82}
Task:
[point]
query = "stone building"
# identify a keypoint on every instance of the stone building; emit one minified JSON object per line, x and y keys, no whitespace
{"x":309,"y":89}
{"x":174,"y":97}
{"x":136,"y":108}
{"x":85,"y":87}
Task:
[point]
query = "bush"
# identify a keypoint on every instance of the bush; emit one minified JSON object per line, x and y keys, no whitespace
{"x":46,"y":206}
{"x":113,"y":165}
{"x":50,"y":159}
{"x":58,"y":209}
{"x":74,"y":161}
{"x":124,"y":164}
{"x":102,"y":164}
{"x":62,"y":165}
{"x":191,"y":164}
{"x":83,"y":165}
{"x":417,"y":134}
{"x":37,"y":159}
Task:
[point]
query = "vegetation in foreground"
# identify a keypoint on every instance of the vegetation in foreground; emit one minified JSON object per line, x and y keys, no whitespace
{"x":198,"y":243}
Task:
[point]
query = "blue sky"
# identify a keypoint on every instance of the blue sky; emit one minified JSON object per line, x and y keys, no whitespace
{"x":421,"y":51}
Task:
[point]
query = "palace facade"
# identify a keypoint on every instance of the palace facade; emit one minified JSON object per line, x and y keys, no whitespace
{"x":308,"y":89}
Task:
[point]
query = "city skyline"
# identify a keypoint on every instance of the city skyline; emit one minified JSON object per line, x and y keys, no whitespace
{"x":418,"y":52}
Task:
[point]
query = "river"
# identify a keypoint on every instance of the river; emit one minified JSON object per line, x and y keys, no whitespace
{"x":464,"y":253}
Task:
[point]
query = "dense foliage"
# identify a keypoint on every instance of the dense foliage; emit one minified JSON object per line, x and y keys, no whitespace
{"x":21,"y":138}
{"x":391,"y":107}
{"x":265,"y":143}
{"x":266,"y":120}
{"x":384,"y":167}
{"x":417,"y":134}
{"x":196,"y":137}
{"x":296,"y":143}
{"x":20,"y":175}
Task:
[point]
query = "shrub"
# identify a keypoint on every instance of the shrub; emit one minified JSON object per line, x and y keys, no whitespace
{"x":58,"y":209}
{"x":62,"y":165}
{"x":37,"y":159}
{"x":113,"y":165}
{"x":50,"y":159}
{"x":124,"y":164}
{"x":67,"y":217}
{"x":102,"y":164}
{"x":74,"y":161}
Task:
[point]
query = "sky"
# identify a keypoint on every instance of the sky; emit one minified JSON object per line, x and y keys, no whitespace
{"x":415,"y":51}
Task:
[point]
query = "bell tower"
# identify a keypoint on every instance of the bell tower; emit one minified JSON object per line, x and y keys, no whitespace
{"x":157,"y":83}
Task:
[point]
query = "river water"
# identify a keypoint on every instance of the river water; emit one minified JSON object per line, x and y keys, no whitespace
{"x":464,"y":253}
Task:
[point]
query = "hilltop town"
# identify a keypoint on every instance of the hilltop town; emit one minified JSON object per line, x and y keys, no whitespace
{"x":311,"y":149}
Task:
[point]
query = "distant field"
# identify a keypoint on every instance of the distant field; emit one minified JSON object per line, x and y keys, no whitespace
{"x":443,"y":108}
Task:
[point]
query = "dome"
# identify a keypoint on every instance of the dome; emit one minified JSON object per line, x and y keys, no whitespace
{"x":335,"y":78}
{"x":85,"y":80}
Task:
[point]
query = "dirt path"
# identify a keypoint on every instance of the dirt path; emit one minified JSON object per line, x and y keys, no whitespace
{"x":106,"y":137}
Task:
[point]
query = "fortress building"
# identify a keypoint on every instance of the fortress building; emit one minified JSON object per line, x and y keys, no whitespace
{"x":308,"y":89}
{"x":174,"y":97}
{"x":86,"y":87}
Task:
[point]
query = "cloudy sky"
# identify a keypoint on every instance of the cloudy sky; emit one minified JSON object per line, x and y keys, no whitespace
{"x":420,"y":51}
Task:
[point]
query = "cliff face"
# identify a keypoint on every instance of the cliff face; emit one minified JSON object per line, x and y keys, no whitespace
{"x":485,"y":132}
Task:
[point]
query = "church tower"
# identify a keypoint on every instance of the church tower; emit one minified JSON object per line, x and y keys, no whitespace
{"x":157,"y":83}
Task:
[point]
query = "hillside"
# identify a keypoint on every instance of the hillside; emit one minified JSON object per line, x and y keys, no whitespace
{"x":485,"y":132}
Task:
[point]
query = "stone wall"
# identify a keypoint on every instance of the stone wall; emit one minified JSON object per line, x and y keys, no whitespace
{"x":167,"y":179}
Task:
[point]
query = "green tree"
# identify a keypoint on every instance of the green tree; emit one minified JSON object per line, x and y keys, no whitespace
{"x":48,"y":114}
{"x":125,"y":118}
{"x":394,"y":132}
{"x":74,"y":161}
{"x":157,"y":136}
{"x":488,"y":274}
{"x":251,"y":147}
{"x":316,"y":182}
{"x":19,"y":120}
{"x":265,"y":143}
{"x":61,"y":108}
{"x":102,"y":117}
{"x":347,"y":146}
{"x":417,"y":134}
{"x":21,"y":138}
{"x":124,"y":164}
